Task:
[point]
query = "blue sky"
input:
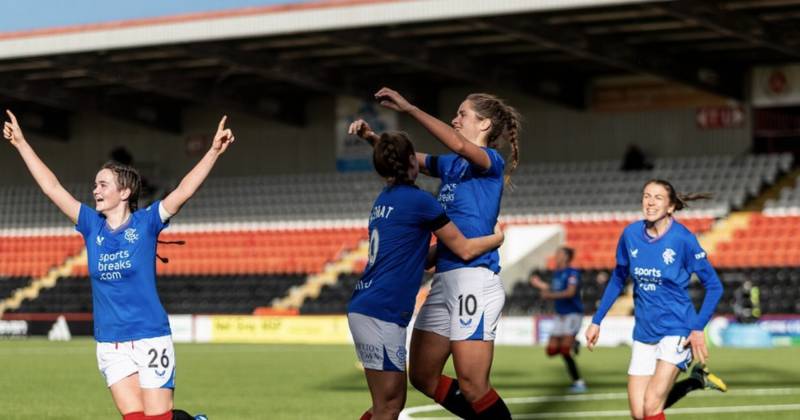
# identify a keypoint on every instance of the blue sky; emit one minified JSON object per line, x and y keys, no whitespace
{"x":20,"y":15}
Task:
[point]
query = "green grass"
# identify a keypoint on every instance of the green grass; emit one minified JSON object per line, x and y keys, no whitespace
{"x":44,"y":380}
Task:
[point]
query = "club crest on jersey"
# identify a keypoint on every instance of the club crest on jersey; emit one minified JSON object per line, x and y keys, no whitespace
{"x":669,"y":256}
{"x":131,"y":235}
{"x":99,"y":239}
{"x":634,"y":252}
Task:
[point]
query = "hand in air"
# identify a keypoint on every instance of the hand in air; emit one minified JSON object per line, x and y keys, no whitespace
{"x":391,"y":99}
{"x":223,"y":138}
{"x":11,"y":130}
{"x":361,"y":129}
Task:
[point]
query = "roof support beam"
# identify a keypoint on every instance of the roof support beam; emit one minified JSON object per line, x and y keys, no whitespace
{"x":738,"y":25}
{"x":729,"y":83}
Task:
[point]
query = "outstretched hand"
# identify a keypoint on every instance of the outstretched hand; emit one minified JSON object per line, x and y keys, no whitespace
{"x":11,"y":130}
{"x":223,"y":138}
{"x":391,"y":99}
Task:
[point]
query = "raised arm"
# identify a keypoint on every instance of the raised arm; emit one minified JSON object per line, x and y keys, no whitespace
{"x":41,"y":173}
{"x":448,"y":136}
{"x":361,"y":129}
{"x":194,"y":179}
{"x":468,"y":249}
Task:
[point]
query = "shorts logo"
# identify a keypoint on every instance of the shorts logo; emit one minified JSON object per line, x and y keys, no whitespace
{"x":401,"y":354}
{"x":131,"y":235}
{"x":465,"y":324}
{"x":99,"y":239}
{"x":161,"y":374}
{"x":669,"y":256}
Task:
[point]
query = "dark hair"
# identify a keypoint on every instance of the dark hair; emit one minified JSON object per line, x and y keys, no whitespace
{"x":126,"y":177}
{"x":506,"y":124}
{"x":569,"y":252}
{"x":679,"y":200}
{"x":392,"y":157}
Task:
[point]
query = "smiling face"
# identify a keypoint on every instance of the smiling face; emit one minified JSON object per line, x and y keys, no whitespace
{"x":107,"y":194}
{"x":470,"y":125}
{"x":656,"y":203}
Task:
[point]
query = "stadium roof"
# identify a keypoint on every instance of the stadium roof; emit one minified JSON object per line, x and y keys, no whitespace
{"x":268,"y":60}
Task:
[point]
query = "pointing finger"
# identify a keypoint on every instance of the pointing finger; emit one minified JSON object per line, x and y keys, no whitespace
{"x":221,"y":125}
{"x":12,"y":117}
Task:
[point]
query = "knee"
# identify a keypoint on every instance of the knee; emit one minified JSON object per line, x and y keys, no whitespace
{"x":391,"y":406}
{"x":552,"y":350}
{"x":565,"y":351}
{"x":653,"y":404}
{"x":423,"y":382}
{"x":473,"y":388}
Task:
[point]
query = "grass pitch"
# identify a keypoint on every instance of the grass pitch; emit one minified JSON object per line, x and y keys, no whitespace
{"x":44,"y":380}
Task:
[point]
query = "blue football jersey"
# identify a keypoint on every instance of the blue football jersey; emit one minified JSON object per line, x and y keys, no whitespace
{"x":400,"y":227}
{"x":561,"y":280}
{"x":122,"y":266}
{"x":471,"y":196}
{"x":661,"y":269}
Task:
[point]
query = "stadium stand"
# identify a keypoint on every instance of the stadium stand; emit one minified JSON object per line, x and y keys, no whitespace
{"x":779,"y":288}
{"x":9,"y":284}
{"x":239,"y":294}
{"x":540,"y":188}
{"x":270,"y":228}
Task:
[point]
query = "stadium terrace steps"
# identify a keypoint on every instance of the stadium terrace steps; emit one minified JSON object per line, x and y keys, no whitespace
{"x":723,"y":231}
{"x":48,"y":281}
{"x":240,"y":294}
{"x":349,"y":262}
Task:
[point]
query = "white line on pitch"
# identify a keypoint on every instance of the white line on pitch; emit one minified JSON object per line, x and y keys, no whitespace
{"x":406,"y":414}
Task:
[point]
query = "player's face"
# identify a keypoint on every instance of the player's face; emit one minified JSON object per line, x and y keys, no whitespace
{"x":468,"y":124}
{"x":655,"y":203}
{"x":561,"y":258}
{"x":106,"y":192}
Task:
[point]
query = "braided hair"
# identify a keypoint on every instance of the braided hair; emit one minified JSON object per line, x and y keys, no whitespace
{"x":126,"y":177}
{"x":506,"y":124}
{"x":680,"y":200}
{"x":392,"y":157}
